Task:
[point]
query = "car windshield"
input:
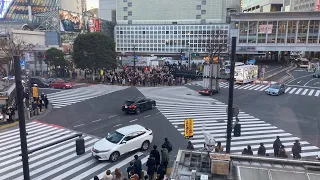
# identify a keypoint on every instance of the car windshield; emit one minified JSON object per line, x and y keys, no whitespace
{"x":114,"y":137}
{"x":275,"y":86}
{"x":129,"y":103}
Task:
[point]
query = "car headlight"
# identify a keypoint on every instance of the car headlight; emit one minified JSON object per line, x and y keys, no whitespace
{"x":105,"y":151}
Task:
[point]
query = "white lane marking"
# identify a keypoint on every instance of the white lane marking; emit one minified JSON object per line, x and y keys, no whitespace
{"x":309,"y":82}
{"x":158,"y":112}
{"x":97,"y":120}
{"x":316,"y":83}
{"x":298,"y":82}
{"x":288,"y":88}
{"x":311,"y":92}
{"x":317,"y":93}
{"x":79,"y":125}
{"x":292,"y":90}
{"x":298,"y":78}
{"x":147,"y":116}
{"x":112,"y":116}
{"x":117,"y":125}
{"x":299,"y":90}
{"x":305,"y":92}
{"x":264,"y":88}
{"x":133,"y":120}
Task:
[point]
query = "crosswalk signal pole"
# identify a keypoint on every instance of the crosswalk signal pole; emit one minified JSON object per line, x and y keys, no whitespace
{"x":22,"y":122}
{"x":231,"y":87}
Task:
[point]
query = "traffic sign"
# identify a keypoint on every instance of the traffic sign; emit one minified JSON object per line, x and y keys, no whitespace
{"x":22,"y":63}
{"x":188,"y":128}
{"x":235,"y":111}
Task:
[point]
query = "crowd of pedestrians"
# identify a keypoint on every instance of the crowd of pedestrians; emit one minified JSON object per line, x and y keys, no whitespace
{"x":157,"y":165}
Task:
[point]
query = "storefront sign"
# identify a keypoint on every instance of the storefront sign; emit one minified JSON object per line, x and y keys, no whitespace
{"x":188,"y":128}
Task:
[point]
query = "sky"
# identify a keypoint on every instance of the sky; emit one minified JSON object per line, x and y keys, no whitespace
{"x":92,"y":4}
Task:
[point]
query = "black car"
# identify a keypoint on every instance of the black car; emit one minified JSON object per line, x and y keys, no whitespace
{"x":137,"y":105}
{"x":41,"y":82}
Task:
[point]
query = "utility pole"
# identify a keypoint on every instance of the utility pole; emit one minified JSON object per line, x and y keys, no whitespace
{"x":22,"y":122}
{"x":134,"y":58}
{"x":231,"y":87}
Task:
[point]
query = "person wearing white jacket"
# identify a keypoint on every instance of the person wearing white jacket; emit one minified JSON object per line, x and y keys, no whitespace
{"x":108,"y":175}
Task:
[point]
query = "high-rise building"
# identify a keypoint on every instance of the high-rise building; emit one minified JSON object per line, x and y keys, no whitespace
{"x":107,"y":10}
{"x":168,"y":27}
{"x":262,"y":5}
{"x":84,"y":5}
{"x":301,"y":5}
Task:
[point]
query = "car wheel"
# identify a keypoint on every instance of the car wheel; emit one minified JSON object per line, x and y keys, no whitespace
{"x":114,"y":156}
{"x":152,"y":106}
{"x":138,"y":111}
{"x":145,"y":145}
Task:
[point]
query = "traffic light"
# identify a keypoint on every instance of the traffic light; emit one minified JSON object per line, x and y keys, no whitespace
{"x":195,"y":54}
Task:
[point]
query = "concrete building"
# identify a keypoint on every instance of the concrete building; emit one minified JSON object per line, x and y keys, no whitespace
{"x":169,"y":27}
{"x":301,"y":5}
{"x":72,"y":5}
{"x":107,"y":10}
{"x":84,"y":5}
{"x":262,"y":5}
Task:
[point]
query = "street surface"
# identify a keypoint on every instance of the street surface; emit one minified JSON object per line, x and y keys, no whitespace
{"x":303,"y":79}
{"x":291,"y":116}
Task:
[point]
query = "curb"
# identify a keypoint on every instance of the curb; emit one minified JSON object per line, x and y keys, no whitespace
{"x":6,"y":126}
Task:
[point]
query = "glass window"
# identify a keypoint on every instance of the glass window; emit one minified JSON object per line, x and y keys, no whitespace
{"x":272,"y":31}
{"x":252,"y":38}
{"x":124,"y":0}
{"x":114,"y":137}
{"x":125,"y":8}
{"x":262,"y":31}
{"x":243,"y":32}
{"x":291,"y":31}
{"x":198,"y":17}
{"x":203,"y":2}
{"x":302,"y":31}
{"x":313,"y":31}
{"x":125,"y":17}
{"x":198,"y":7}
{"x":129,"y":4}
{"x":282,"y":29}
{"x":129,"y":13}
{"x":203,"y":11}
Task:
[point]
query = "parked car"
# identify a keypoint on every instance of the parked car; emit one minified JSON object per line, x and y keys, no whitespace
{"x":137,"y":105}
{"x":208,"y":92}
{"x":41,"y":82}
{"x":276,"y":89}
{"x":61,"y":85}
{"x":122,"y":141}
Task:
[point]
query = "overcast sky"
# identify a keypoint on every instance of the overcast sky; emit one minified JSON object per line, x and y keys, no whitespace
{"x":92,"y":4}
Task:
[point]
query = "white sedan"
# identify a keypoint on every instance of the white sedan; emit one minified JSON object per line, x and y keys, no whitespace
{"x":122,"y":141}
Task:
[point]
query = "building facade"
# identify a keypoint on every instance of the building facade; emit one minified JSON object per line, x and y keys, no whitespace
{"x":84,"y":6}
{"x":171,"y":39}
{"x":301,"y":5}
{"x":277,"y":31}
{"x":262,"y":5}
{"x":107,"y":10}
{"x":173,"y":12}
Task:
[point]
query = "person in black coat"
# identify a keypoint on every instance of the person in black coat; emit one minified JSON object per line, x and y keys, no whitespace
{"x":161,"y":171}
{"x":156,"y":154}
{"x":137,"y":165}
{"x":151,"y":164}
{"x":130,"y":168}
{"x":262,"y":150}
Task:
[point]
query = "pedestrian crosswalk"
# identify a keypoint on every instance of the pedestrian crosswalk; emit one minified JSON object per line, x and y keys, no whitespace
{"x":296,"y":90}
{"x":58,"y":162}
{"x":68,"y":97}
{"x":179,"y":103}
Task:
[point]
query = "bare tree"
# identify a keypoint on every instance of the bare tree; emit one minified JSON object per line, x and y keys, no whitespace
{"x":11,"y":45}
{"x":213,"y":46}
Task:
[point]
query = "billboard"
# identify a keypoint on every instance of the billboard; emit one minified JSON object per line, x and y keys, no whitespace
{"x":264,"y":29}
{"x":317,"y":5}
{"x":70,"y":22}
{"x":4,"y":5}
{"x":93,"y":24}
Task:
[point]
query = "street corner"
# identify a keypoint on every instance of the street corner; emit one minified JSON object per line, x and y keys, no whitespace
{"x":5,"y":125}
{"x":48,"y":124}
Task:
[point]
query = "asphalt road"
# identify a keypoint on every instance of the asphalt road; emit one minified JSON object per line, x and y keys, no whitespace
{"x":273,"y":68}
{"x":302,"y":78}
{"x":298,"y":115}
{"x":99,"y":116}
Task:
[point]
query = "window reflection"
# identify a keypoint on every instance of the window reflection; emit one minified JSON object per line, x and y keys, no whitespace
{"x":282,"y":29}
{"x":243,"y":32}
{"x":302,"y":31}
{"x":313,"y":31}
{"x":292,"y":25}
{"x":252,"y":32}
{"x":262,"y":31}
{"x":272,"y":31}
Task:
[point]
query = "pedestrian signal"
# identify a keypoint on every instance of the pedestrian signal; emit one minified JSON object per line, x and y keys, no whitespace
{"x":35,"y":92}
{"x":188,"y":128}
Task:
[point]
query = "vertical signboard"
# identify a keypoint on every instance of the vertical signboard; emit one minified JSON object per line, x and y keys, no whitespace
{"x":188,"y":128}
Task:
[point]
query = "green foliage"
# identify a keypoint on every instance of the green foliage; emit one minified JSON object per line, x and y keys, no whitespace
{"x":94,"y":51}
{"x":55,"y":57}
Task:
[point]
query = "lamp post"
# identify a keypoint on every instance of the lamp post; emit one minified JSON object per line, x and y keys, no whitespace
{"x":134,"y":58}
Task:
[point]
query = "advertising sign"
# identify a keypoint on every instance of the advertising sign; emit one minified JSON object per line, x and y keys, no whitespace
{"x":318,"y":5}
{"x":188,"y":128}
{"x":140,"y":61}
{"x":93,"y":24}
{"x":70,"y":22}
{"x":4,"y":5}
{"x":264,"y":29}
{"x":35,"y":92}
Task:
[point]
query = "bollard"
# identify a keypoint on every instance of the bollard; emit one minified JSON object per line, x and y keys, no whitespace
{"x":28,"y":114}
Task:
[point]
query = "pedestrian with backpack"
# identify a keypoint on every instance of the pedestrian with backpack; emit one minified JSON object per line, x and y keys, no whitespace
{"x":167,"y":145}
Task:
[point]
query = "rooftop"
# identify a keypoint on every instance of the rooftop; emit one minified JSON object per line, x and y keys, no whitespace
{"x":209,"y":166}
